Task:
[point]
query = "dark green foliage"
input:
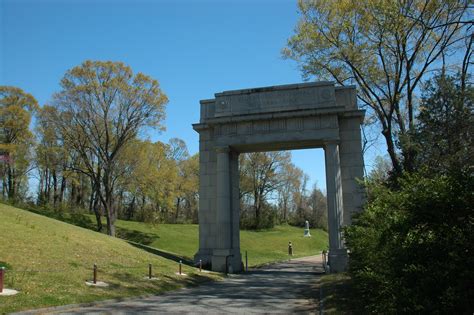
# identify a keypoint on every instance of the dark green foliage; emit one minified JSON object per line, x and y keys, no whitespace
{"x":444,"y":136}
{"x":412,"y":250}
{"x":267,"y":220}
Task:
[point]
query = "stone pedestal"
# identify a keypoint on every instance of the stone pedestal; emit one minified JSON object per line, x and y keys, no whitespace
{"x":230,"y":256}
{"x":337,"y":260}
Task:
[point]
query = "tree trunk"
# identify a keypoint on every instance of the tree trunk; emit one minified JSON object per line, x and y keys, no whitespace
{"x":55,"y":189}
{"x":98,"y":216}
{"x":62,"y":189}
{"x":391,"y":152}
{"x":73,"y":193}
{"x":131,"y":209}
{"x":11,"y":183}
{"x":178,"y":204}
{"x":108,"y":202}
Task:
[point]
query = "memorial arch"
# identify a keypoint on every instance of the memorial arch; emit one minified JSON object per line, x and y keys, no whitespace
{"x":285,"y":117}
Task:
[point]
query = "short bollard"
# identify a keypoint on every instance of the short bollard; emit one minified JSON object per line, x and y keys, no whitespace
{"x":2,"y":273}
{"x":324,"y":259}
{"x":290,"y":249}
{"x":246,"y":262}
{"x":180,"y":262}
{"x":149,"y":271}
{"x":200,"y":265}
{"x":95,"y":274}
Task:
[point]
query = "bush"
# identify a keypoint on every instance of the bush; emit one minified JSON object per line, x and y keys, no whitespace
{"x":412,"y":250}
{"x":248,"y":221}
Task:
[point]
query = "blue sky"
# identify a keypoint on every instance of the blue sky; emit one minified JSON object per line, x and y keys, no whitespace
{"x":193,"y":48}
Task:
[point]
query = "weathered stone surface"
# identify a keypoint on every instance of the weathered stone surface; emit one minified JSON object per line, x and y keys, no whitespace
{"x":297,"y":116}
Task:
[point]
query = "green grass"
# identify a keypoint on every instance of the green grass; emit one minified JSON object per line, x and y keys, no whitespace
{"x":336,"y":290}
{"x":263,"y":246}
{"x":48,"y":261}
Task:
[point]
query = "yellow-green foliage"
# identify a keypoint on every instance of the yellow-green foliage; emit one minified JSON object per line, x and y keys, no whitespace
{"x":48,"y":261}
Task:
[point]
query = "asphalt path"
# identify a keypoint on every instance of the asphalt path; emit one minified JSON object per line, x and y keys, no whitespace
{"x":284,"y":288}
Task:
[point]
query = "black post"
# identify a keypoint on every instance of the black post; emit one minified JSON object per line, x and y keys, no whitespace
{"x":246,"y":262}
{"x":2,"y":272}
{"x":180,"y":266}
{"x":95,"y":274}
{"x":149,"y":271}
{"x":200,"y":265}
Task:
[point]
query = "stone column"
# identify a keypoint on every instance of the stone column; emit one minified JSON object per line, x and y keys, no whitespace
{"x":223,"y":198}
{"x":223,"y":211}
{"x":337,"y":251}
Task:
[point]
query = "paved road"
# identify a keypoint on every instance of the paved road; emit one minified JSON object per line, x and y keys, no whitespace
{"x":289,"y":287}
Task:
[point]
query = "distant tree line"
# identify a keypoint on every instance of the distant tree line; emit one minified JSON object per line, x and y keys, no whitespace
{"x":86,"y":154}
{"x":273,"y":191}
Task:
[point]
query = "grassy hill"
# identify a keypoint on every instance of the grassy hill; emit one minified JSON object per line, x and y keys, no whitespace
{"x":262,"y":246}
{"x":48,"y":261}
{"x":183,"y":239}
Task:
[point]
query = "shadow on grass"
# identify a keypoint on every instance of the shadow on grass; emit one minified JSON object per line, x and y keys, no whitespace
{"x":136,"y":236}
{"x":77,"y":219}
{"x":140,"y":286}
{"x":159,"y":252}
{"x":85,"y":221}
{"x":337,"y":294}
{"x":133,"y":237}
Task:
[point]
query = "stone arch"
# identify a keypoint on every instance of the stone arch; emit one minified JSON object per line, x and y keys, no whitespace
{"x":296,"y":116}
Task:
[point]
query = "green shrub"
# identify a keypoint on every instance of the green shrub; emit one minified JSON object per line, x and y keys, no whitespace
{"x":412,"y":250}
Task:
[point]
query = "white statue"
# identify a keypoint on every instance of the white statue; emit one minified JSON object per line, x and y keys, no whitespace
{"x":306,"y":229}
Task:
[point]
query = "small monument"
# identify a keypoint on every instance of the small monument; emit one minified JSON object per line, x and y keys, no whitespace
{"x":306,"y":229}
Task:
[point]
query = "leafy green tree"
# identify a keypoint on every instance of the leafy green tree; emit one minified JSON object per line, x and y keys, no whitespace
{"x":260,"y":176}
{"x":291,"y":181}
{"x":51,"y":159}
{"x":149,"y":175}
{"x":187,"y":194}
{"x":16,"y":110}
{"x":444,"y":136}
{"x":319,"y":209}
{"x":380,"y":172}
{"x":411,"y":249}
{"x":101,"y":107}
{"x":386,"y":48}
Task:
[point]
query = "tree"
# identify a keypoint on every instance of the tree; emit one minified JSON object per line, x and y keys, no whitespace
{"x":385,"y":47}
{"x":318,"y":204}
{"x":16,"y":109}
{"x":188,"y":188}
{"x":411,"y":249}
{"x":150,"y":177}
{"x":102,"y":107}
{"x":51,"y":159}
{"x":260,"y":175}
{"x":444,"y":137}
{"x":394,"y":244}
{"x":291,"y":182}
{"x":381,"y":170}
